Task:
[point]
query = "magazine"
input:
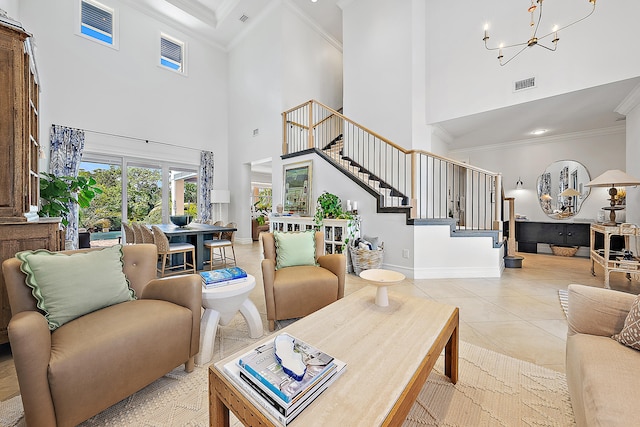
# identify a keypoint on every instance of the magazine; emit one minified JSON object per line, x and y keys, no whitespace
{"x":261,"y":365}
{"x":263,"y":400}
{"x":223,"y":276}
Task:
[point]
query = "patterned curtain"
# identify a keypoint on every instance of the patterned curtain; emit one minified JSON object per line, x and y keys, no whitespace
{"x":66,"y":151}
{"x":205,"y":181}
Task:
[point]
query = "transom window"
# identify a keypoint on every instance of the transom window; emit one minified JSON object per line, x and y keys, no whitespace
{"x":98,"y":22}
{"x":172,"y":53}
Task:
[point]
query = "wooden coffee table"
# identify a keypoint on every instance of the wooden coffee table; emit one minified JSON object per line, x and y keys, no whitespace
{"x":389,"y":352}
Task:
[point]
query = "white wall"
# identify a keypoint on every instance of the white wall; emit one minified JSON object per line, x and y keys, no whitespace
{"x":279,"y":64}
{"x":378,"y":67}
{"x":11,"y":7}
{"x":631,"y":107}
{"x":464,"y":78}
{"x":90,"y":86}
{"x":390,"y":228}
{"x":598,"y":151}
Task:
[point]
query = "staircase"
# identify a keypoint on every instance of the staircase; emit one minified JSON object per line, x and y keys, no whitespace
{"x":427,"y":188}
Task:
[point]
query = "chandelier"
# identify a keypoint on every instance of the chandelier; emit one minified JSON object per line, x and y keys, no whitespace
{"x":535,"y":40}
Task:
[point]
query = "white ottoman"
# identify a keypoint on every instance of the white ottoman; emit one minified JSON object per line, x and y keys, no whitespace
{"x":220,"y":306}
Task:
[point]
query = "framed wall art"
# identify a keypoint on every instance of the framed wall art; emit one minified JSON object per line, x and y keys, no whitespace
{"x":297,"y":188}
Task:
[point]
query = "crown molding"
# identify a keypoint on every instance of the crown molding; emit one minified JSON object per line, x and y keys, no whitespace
{"x":297,"y":11}
{"x":252,"y":24}
{"x":225,"y":9}
{"x":440,"y":133}
{"x":631,"y":101}
{"x":313,"y":24}
{"x":134,"y":4}
{"x":343,"y":3}
{"x":197,"y":10}
{"x":612,"y":130}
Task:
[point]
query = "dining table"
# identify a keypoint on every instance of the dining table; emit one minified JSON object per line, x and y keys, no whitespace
{"x":196,"y":234}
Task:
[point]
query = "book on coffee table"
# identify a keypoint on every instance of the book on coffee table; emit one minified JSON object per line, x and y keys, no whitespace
{"x":273,"y":406}
{"x":263,"y":368}
{"x":223,"y":276}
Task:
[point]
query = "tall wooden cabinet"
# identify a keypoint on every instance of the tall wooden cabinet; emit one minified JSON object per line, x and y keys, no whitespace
{"x":20,"y":228}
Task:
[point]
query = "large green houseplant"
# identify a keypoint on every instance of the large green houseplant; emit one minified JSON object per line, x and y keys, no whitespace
{"x":57,"y":192}
{"x":329,"y":206}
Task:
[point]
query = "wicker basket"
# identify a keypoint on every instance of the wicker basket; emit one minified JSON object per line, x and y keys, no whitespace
{"x":564,"y":250}
{"x":365,"y":259}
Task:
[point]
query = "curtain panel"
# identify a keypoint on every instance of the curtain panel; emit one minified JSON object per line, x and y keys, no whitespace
{"x":205,"y":179}
{"x":66,"y":149}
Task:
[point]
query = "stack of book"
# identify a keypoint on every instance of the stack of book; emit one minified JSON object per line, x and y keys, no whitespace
{"x":260,"y":376}
{"x":222,"y":277}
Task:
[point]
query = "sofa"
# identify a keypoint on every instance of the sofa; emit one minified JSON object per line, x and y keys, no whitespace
{"x":601,"y":372}
{"x":68,"y":374}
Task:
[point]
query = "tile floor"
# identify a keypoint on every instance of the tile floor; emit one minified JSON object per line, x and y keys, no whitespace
{"x":518,"y":314}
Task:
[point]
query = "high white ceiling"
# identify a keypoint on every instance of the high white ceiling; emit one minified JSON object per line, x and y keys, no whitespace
{"x":218,"y":22}
{"x":583,"y":110}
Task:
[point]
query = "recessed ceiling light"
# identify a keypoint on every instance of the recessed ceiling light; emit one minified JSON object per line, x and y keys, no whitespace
{"x":313,"y":1}
{"x":539,"y":132}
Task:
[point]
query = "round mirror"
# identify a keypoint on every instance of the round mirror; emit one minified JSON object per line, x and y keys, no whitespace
{"x":562,"y":190}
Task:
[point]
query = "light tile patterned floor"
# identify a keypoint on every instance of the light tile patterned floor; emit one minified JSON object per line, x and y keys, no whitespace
{"x":518,"y":314}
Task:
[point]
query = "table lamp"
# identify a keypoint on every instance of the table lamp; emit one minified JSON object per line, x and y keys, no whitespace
{"x":218,"y":197}
{"x":613,"y":178}
{"x":570,"y":192}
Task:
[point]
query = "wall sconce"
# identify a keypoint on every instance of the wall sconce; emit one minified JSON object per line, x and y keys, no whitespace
{"x":519,"y":184}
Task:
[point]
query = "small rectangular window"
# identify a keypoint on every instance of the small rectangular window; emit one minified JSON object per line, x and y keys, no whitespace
{"x":171,"y":53}
{"x":97,"y":22}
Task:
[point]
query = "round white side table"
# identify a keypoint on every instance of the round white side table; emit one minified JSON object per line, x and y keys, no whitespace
{"x":382,"y":278}
{"x":220,"y":306}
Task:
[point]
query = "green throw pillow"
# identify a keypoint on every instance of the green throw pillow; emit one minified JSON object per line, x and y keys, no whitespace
{"x":297,"y":248}
{"x":69,"y":286}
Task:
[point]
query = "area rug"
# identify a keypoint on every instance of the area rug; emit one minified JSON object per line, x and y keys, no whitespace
{"x":493,"y":390}
{"x":563,"y":294}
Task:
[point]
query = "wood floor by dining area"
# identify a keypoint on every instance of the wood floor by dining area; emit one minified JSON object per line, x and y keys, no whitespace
{"x":518,"y":314}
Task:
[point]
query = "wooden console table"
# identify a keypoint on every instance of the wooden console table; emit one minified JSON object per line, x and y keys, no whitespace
{"x":604,"y":258}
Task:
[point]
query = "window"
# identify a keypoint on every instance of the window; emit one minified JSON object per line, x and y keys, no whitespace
{"x":98,"y":22}
{"x":172,"y":53}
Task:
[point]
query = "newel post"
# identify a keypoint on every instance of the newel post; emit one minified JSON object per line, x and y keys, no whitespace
{"x":497,"y":202}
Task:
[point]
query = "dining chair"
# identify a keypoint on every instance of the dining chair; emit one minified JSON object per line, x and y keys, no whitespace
{"x":129,"y":235}
{"x":147,"y":234}
{"x":165,"y":249}
{"x":225,"y":240}
{"x":137,"y":233}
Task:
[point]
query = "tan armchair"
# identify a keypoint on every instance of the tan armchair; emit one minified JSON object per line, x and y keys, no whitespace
{"x":293,"y":292}
{"x":90,"y":363}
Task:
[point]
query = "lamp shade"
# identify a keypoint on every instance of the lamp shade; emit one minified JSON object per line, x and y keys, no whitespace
{"x":614,"y":178}
{"x":545,"y":197}
{"x":570,"y":192}
{"x":220,"y":196}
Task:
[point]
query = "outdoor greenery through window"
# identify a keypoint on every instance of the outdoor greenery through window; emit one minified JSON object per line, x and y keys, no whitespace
{"x":144,"y":197}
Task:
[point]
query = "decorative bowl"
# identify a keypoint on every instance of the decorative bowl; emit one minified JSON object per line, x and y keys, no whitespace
{"x":180,"y":220}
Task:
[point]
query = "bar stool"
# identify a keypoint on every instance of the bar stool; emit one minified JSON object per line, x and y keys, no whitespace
{"x":226,"y":240}
{"x":165,"y":249}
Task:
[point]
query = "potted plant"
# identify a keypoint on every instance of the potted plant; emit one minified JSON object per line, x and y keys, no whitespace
{"x":329,"y":205}
{"x":57,"y":192}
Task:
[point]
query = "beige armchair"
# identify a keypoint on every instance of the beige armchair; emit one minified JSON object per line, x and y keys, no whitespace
{"x":293,"y":292}
{"x":96,"y":360}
